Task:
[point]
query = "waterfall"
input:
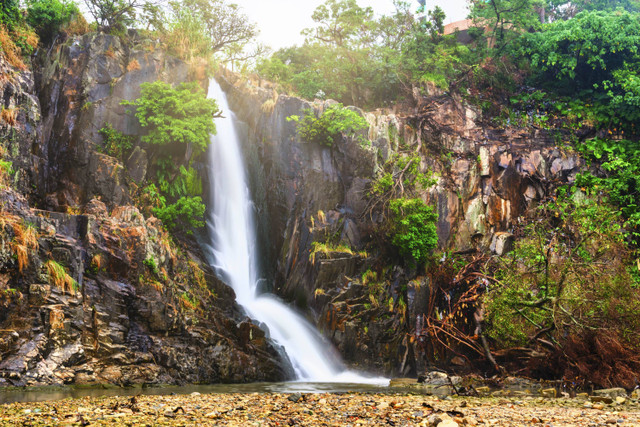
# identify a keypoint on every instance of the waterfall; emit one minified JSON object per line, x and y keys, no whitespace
{"x":231,"y":228}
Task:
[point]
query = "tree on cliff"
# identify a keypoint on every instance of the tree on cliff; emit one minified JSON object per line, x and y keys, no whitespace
{"x":114,"y":15}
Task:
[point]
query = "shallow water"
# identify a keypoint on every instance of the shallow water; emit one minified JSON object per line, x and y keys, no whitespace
{"x":39,"y":394}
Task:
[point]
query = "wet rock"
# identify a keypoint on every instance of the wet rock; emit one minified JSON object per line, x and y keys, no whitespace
{"x":502,"y":243}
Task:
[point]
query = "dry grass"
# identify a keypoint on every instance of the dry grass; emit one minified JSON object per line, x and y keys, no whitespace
{"x":78,"y":26}
{"x":25,"y":241}
{"x":9,"y":116}
{"x":9,"y":50}
{"x":133,"y":65}
{"x":270,"y":104}
{"x":97,"y":262}
{"x":59,"y":277}
{"x":110,"y":52}
{"x":25,"y":237}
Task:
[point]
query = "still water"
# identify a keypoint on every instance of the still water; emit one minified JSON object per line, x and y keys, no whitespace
{"x":38,"y":394}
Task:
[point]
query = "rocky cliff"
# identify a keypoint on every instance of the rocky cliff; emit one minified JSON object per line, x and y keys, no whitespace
{"x":92,"y":290}
{"x":486,"y":179}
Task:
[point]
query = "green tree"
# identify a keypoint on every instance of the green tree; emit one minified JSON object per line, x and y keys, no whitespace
{"x":334,"y":123}
{"x":226,"y":26}
{"x":10,"y":13}
{"x":594,"y":57}
{"x":505,"y":19}
{"x":413,"y":229}
{"x":48,"y":17}
{"x":182,"y":115}
{"x":116,"y":15}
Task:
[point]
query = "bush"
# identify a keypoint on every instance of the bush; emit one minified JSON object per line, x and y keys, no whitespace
{"x":10,"y":13}
{"x":187,"y":35}
{"x":593,"y":57}
{"x":617,"y":178}
{"x":180,"y":115}
{"x":334,"y":123}
{"x":48,"y":17}
{"x":186,"y":213}
{"x":555,"y":286}
{"x":116,"y":144}
{"x":413,"y":228}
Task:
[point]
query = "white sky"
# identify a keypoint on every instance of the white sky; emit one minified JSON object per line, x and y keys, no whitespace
{"x":280,"y":21}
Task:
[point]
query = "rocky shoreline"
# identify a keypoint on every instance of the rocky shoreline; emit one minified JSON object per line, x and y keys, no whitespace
{"x":396,"y":409}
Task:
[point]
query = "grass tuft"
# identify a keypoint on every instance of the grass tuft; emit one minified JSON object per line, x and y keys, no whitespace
{"x":59,"y":277}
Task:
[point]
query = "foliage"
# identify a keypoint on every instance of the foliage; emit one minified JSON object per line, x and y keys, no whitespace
{"x":181,"y":115}
{"x":116,"y":144}
{"x":25,"y":242}
{"x":114,"y":16}
{"x":413,"y":228}
{"x":505,"y":19}
{"x":10,"y":14}
{"x":16,"y":41}
{"x":185,"y":213}
{"x":6,"y":171}
{"x":595,"y":57}
{"x":366,"y":74}
{"x":566,"y":278}
{"x":335,"y":122}
{"x":617,"y":178}
{"x":327,"y":249}
{"x":402,"y":174}
{"x":48,"y":17}
{"x":186,"y":34}
{"x":180,"y":120}
{"x":151,"y":264}
{"x":59,"y":277}
{"x":227,"y":29}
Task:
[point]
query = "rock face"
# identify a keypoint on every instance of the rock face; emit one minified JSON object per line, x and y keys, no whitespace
{"x":91,"y":289}
{"x":486,"y":179}
{"x":82,"y":84}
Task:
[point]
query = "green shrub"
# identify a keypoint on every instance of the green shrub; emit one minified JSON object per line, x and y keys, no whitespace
{"x":186,"y":213}
{"x":413,"y":228}
{"x":151,"y":264}
{"x":593,"y":57}
{"x":10,"y":13}
{"x":180,"y":115}
{"x":183,"y":182}
{"x":116,"y":144}
{"x":568,"y":276}
{"x":617,"y":179}
{"x":48,"y":17}
{"x":334,"y":123}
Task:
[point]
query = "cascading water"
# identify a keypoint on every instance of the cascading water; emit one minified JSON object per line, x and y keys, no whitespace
{"x":231,"y":227}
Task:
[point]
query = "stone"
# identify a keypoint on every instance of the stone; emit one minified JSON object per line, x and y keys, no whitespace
{"x":295,"y":397}
{"x":502,"y":243}
{"x":620,"y":400}
{"x":137,"y":165}
{"x":485,"y":165}
{"x":447,"y":423}
{"x":611,"y":392}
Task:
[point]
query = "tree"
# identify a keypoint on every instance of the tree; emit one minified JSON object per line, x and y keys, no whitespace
{"x":47,"y":17}
{"x":226,"y":25}
{"x":114,"y":15}
{"x":181,"y":115}
{"x":341,"y":23}
{"x":10,"y":13}
{"x":593,"y":57}
{"x":505,"y":19}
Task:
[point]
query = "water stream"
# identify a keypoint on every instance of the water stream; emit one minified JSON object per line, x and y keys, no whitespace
{"x":231,"y":227}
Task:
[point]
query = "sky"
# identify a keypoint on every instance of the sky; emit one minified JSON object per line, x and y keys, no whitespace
{"x":280,"y":21}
